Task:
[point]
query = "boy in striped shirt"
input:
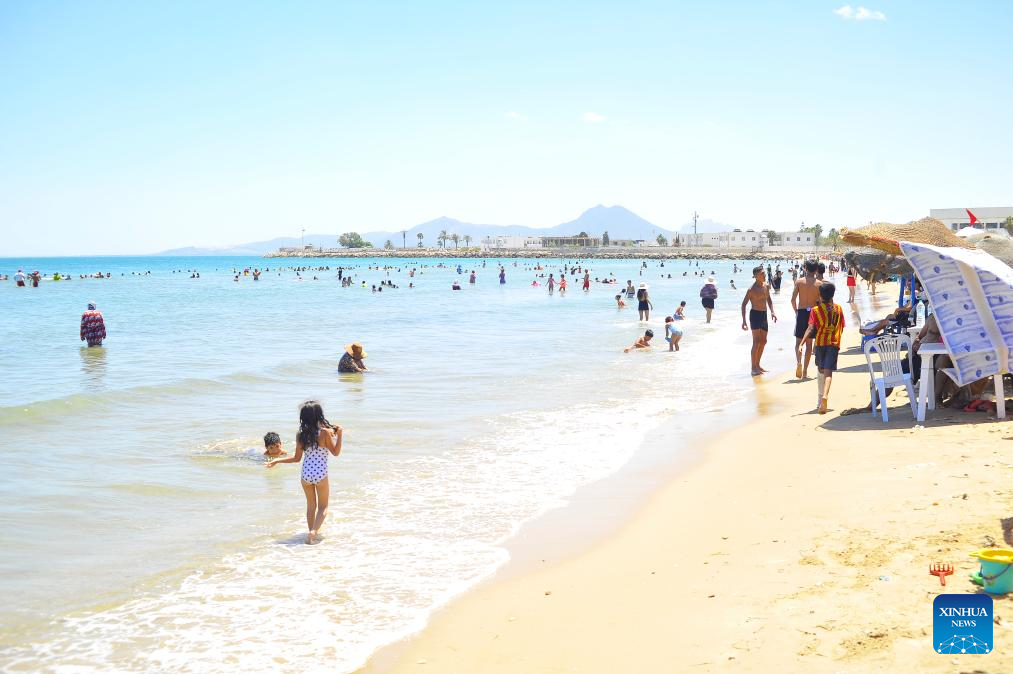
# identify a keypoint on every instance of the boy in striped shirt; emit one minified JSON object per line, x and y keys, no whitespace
{"x":826,"y":323}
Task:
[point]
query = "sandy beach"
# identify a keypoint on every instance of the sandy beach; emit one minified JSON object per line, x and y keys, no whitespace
{"x":800,"y":544}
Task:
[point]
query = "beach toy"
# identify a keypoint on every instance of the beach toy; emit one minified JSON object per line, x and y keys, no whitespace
{"x":941,"y":570}
{"x":996,"y":569}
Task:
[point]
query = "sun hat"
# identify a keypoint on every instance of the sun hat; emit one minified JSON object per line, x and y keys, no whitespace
{"x":644,"y":286}
{"x":710,"y":279}
{"x":351,"y":348}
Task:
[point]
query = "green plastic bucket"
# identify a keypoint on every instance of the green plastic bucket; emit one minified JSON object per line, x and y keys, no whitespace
{"x":996,"y":570}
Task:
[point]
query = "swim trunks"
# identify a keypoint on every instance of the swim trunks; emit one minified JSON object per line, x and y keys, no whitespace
{"x":708,"y":302}
{"x":801,"y":322}
{"x":643,"y":306}
{"x":826,"y":357}
{"x":758,"y":320}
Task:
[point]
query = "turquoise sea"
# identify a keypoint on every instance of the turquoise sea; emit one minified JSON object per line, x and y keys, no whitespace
{"x":139,"y":530}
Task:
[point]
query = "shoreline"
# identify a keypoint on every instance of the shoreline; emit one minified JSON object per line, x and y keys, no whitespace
{"x":807,"y":528}
{"x":594,"y":513}
{"x":618,"y":253}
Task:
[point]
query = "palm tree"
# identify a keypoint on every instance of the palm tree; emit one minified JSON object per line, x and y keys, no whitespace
{"x":467,"y":240}
{"x":442,"y":238}
{"x":455,"y":238}
{"x":419,"y":235}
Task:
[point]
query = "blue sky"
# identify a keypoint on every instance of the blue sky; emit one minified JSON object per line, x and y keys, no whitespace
{"x":139,"y":126}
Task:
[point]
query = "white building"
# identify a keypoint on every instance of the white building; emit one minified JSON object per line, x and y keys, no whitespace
{"x":989,"y":217}
{"x":795,"y":239}
{"x":749,"y":238}
{"x":501,"y":242}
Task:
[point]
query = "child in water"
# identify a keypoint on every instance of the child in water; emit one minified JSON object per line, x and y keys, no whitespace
{"x":272,"y":446}
{"x":672,"y":334}
{"x":642,"y":343}
{"x":316,"y":438}
{"x":619,"y":302}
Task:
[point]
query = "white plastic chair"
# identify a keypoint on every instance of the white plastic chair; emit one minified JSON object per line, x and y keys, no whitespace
{"x":889,"y":348}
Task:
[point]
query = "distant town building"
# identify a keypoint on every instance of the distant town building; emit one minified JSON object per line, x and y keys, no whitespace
{"x":796,"y":239}
{"x":570,"y":241}
{"x":749,"y":238}
{"x":511,"y":242}
{"x":989,"y":217}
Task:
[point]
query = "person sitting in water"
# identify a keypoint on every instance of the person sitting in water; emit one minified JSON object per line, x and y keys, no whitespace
{"x":272,"y":446}
{"x":680,"y":313}
{"x":351,"y":360}
{"x":642,"y":343}
{"x":455,"y":286}
{"x":619,"y":302}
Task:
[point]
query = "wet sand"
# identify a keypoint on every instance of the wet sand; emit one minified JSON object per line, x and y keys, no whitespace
{"x":801,"y":543}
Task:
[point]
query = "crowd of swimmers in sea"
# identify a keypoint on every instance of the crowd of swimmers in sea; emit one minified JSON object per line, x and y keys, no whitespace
{"x":817,"y":327}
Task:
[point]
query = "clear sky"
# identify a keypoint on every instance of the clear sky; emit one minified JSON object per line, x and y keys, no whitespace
{"x":139,"y":126}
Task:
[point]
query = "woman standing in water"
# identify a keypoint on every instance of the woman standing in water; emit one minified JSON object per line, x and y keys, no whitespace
{"x":644,"y":305}
{"x":316,"y":437}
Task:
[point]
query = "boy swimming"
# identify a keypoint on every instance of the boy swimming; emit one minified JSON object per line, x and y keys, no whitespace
{"x":642,"y":343}
{"x":272,"y":446}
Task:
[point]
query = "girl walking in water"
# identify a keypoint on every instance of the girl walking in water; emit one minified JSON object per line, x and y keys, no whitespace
{"x":316,"y":437}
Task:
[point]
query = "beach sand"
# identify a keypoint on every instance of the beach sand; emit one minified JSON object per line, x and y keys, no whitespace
{"x":800,"y":544}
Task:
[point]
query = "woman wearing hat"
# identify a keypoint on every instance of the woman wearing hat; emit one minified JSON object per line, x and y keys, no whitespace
{"x":708,"y":294}
{"x":644,"y":305}
{"x":351,"y":360}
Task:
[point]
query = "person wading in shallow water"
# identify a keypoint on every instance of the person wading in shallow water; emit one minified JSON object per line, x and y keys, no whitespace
{"x":93,"y":326}
{"x":644,"y":305}
{"x":316,"y":437}
{"x":351,"y":360}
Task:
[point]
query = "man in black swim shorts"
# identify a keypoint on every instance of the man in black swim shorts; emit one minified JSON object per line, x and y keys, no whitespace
{"x":758,"y":295}
{"x":804,"y":296}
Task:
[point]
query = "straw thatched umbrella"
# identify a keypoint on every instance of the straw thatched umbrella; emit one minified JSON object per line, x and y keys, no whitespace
{"x":885,"y":235}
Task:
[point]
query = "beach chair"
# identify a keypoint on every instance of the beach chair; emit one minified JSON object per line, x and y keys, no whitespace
{"x":889,"y":349}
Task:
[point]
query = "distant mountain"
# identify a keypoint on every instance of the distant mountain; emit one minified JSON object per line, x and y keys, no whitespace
{"x":619,"y":222}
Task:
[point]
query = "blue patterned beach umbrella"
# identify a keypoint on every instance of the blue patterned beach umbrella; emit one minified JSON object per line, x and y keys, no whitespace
{"x":972,"y":296}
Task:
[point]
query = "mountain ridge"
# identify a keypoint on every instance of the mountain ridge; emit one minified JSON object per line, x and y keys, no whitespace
{"x":620,"y":222}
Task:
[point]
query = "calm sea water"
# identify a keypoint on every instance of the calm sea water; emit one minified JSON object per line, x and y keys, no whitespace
{"x":139,"y":530}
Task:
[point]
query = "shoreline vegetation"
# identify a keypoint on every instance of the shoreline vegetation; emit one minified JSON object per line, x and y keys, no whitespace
{"x":615,"y":253}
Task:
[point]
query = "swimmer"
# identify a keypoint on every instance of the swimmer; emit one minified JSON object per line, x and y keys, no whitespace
{"x":642,"y":343}
{"x":272,"y":446}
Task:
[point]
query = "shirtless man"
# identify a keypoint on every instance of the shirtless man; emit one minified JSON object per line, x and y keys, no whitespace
{"x":804,"y":297}
{"x":759,"y":295}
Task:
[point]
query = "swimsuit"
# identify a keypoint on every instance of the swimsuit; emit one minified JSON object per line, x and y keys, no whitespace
{"x":801,"y":322}
{"x":758,"y":320}
{"x":314,"y":464}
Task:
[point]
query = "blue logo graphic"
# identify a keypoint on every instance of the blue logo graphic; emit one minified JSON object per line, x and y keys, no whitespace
{"x":962,"y":624}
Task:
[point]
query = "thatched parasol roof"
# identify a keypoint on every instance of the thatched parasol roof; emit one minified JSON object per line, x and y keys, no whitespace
{"x":885,"y":235}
